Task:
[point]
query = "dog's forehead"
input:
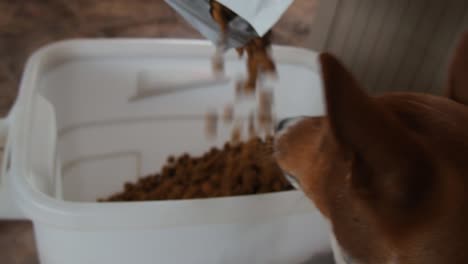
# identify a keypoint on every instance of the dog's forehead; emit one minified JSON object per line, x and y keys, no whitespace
{"x":441,"y":123}
{"x":423,"y":111}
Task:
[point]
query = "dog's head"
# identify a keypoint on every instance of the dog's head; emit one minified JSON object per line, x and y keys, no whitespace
{"x":389,"y":172}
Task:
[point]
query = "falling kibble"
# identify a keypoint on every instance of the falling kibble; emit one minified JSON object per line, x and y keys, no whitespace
{"x":239,"y":86}
{"x":217,"y":62}
{"x":211,"y":124}
{"x":228,"y":115}
{"x":265,"y":110}
{"x":240,"y":167}
{"x":240,"y":52}
{"x":236,"y":133}
{"x":251,"y":126}
{"x":258,"y":49}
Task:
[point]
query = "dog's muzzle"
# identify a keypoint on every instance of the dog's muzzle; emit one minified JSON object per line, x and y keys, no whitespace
{"x":281,"y":127}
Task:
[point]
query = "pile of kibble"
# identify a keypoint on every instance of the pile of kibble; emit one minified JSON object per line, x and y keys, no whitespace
{"x":236,"y":169}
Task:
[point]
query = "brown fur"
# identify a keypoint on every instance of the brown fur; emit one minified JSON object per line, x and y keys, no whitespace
{"x":389,"y":172}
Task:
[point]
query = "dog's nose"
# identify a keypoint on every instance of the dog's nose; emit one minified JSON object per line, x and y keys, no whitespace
{"x":282,"y":124}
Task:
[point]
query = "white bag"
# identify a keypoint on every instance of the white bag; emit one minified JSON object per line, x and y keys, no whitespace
{"x":256,"y":17}
{"x":262,"y":15}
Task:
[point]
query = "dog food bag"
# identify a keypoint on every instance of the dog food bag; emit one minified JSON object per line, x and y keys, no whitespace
{"x":255,"y":18}
{"x":262,"y":15}
{"x":198,"y":14}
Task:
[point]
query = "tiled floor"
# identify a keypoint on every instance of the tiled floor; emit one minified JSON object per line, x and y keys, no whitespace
{"x":28,"y":24}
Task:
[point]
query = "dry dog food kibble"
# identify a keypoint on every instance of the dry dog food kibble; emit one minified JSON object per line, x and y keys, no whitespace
{"x":245,"y":168}
{"x":217,"y":62}
{"x":258,"y":49}
{"x":236,"y":133}
{"x":211,"y":124}
{"x":259,"y":62}
{"x":222,"y":16}
{"x":265,"y":115}
{"x":252,"y":131}
{"x":228,"y":115}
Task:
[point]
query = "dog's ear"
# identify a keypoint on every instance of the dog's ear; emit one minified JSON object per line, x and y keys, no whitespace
{"x":457,"y":84}
{"x":391,"y":170}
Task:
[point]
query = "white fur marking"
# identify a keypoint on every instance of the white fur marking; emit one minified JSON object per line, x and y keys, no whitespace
{"x":337,"y":252}
{"x":341,"y":257}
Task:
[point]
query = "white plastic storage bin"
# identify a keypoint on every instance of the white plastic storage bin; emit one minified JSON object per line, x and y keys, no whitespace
{"x":79,"y":129}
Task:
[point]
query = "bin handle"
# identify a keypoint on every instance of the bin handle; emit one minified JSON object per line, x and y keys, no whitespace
{"x":8,"y":209}
{"x":4,"y":148}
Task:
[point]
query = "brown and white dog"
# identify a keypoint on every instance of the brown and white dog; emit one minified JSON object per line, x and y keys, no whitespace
{"x":390,"y":173}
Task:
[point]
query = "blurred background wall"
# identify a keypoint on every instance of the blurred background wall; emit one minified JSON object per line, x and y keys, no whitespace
{"x":397,"y":45}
